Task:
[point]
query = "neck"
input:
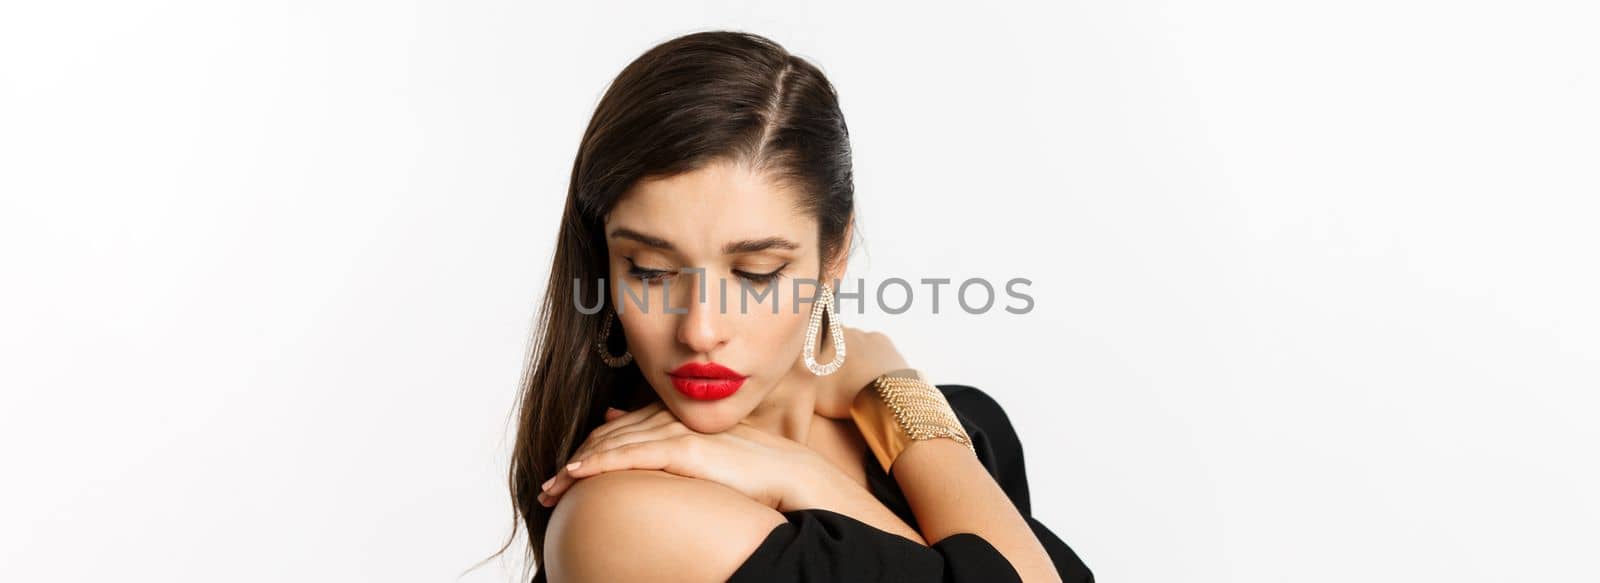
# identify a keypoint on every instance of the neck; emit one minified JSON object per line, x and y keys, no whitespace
{"x":788,"y":410}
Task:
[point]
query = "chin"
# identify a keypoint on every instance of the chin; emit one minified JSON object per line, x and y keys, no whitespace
{"x":708,"y":416}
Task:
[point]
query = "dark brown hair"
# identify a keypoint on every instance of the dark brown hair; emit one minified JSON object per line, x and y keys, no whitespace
{"x":700,"y":98}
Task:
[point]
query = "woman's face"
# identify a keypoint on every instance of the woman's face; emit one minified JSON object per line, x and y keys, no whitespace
{"x":751,"y":242}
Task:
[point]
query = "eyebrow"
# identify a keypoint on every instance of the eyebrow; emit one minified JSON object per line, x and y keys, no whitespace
{"x":732,"y":247}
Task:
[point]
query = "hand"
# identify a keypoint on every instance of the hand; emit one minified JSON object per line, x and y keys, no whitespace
{"x":769,"y":469}
{"x":867,"y":355}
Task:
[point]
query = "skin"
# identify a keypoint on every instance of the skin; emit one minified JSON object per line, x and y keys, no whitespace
{"x":783,"y":442}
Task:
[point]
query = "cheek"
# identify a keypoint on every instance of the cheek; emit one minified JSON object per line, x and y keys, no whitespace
{"x":780,"y":336}
{"x":649,"y":335}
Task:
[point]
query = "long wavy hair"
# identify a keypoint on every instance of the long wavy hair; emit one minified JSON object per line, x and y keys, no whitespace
{"x":697,"y":99}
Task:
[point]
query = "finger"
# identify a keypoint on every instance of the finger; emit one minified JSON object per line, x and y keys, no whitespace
{"x":677,"y":455}
{"x":627,"y":419}
{"x":667,"y":429}
{"x":657,"y":419}
{"x":665,"y":432}
{"x":615,"y":418}
{"x":551,"y":490}
{"x":648,"y":455}
{"x":649,"y":416}
{"x":560,"y":480}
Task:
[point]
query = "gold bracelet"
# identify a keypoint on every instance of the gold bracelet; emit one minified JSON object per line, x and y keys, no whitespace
{"x":900,"y":407}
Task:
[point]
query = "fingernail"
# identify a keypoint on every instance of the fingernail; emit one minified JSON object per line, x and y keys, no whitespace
{"x":547,"y":483}
{"x":574,"y":465}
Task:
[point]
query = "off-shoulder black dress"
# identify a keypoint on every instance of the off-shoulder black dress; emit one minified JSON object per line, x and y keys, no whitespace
{"x":818,"y":545}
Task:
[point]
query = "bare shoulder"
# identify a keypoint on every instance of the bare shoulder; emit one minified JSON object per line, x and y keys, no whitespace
{"x":646,"y":525}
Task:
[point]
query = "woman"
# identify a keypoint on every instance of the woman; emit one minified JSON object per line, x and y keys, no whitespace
{"x":666,"y":435}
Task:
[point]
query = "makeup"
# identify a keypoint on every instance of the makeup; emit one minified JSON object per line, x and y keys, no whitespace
{"x":706,"y":381}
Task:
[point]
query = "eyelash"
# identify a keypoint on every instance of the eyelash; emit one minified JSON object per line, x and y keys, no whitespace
{"x":653,"y":275}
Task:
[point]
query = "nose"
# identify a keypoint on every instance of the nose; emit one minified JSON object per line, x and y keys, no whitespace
{"x":704,"y":328}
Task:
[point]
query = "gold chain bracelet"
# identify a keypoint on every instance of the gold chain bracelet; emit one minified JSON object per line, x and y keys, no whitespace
{"x":900,"y":407}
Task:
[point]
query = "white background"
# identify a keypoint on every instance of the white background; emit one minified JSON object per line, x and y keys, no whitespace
{"x":1315,"y":283}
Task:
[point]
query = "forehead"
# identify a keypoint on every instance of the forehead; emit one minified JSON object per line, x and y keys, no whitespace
{"x":716,"y":203}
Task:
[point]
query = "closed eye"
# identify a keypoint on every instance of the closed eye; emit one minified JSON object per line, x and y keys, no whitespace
{"x":762,"y":278}
{"x":644,"y":274}
{"x":648,"y":275}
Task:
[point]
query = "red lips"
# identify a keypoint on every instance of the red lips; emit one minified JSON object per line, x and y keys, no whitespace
{"x":705,"y":381}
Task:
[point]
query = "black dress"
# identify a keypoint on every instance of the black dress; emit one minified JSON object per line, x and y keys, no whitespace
{"x":817,"y":545}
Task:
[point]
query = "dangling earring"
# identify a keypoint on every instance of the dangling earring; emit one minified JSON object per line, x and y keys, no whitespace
{"x":825,"y":302}
{"x":605,"y":353}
